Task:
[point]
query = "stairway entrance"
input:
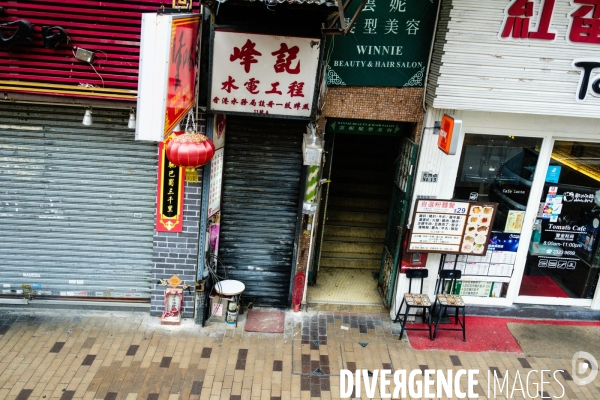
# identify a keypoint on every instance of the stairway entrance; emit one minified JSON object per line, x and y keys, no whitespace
{"x":357,"y":212}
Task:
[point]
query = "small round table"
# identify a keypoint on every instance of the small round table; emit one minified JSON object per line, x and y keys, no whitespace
{"x":231,"y":287}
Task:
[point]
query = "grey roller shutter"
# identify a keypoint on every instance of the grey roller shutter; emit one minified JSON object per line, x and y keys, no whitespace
{"x":261,"y":185}
{"x":76,"y":204}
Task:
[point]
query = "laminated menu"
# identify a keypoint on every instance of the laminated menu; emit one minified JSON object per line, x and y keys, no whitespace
{"x":451,"y":227}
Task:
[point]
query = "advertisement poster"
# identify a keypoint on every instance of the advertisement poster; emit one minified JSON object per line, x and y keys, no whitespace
{"x":514,"y":221}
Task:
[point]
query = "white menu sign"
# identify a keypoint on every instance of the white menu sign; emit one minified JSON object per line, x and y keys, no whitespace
{"x":263,"y":74}
{"x":216,"y":174}
{"x":446,"y":226}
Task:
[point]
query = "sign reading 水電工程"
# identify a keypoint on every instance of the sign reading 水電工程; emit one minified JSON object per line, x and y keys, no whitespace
{"x":263,"y":74}
{"x":387,"y":46}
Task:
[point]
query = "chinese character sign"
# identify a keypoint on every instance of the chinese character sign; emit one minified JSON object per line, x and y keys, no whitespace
{"x":182,"y":71}
{"x":169,"y":196}
{"x":263,"y":74}
{"x":387,"y":46}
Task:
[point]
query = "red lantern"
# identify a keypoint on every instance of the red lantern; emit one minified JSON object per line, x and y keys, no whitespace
{"x":190,"y":150}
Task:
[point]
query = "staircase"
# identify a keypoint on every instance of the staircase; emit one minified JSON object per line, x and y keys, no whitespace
{"x":358,"y":206}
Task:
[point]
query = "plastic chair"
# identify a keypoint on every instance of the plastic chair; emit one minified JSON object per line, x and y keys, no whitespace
{"x":415,"y":300}
{"x":447,"y":279}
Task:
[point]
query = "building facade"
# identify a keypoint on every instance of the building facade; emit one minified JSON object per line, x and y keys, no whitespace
{"x":523,"y":78}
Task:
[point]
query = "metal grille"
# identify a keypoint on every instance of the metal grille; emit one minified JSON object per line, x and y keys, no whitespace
{"x":76,"y":204}
{"x":261,"y":188}
{"x":110,"y":28}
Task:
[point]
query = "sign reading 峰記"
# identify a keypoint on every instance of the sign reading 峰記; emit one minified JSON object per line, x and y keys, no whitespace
{"x":263,"y":74}
{"x":387,"y":46}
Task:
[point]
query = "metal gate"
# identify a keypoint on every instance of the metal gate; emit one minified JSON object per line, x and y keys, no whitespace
{"x":76,"y":204}
{"x":259,"y":205}
{"x":401,"y":195}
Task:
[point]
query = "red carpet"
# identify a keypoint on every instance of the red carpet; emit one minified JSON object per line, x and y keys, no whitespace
{"x":271,"y":321}
{"x":540,"y":285}
{"x":483,"y":334}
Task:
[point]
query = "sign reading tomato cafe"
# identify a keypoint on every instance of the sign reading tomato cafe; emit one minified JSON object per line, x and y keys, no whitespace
{"x":263,"y":74}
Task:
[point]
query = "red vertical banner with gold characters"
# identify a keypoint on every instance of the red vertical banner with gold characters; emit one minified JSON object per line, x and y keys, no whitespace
{"x":182,"y":70}
{"x":169,"y":198}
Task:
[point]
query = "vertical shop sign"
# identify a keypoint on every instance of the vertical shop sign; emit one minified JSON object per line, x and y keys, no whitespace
{"x":263,"y":74}
{"x":168,"y":66}
{"x":388,"y":45}
{"x":216,"y":165}
{"x":169,"y":202}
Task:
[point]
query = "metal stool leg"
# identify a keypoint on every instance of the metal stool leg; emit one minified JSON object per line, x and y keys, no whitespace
{"x":439,"y":318}
{"x":464,"y":324}
{"x":404,"y":322}
{"x":399,"y":310}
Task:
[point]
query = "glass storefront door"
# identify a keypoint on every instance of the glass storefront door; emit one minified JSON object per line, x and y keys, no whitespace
{"x":497,"y":169}
{"x":562,"y":259}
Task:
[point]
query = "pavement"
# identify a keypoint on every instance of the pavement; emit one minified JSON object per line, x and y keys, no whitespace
{"x":68,"y":354}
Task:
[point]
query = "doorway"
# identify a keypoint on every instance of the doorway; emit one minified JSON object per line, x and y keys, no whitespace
{"x":357,"y":209}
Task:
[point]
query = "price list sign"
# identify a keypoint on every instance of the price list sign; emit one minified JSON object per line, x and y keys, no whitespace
{"x":446,"y":226}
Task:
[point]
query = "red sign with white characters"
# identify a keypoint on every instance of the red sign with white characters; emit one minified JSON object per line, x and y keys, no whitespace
{"x":182,"y":70}
{"x":264,"y":74}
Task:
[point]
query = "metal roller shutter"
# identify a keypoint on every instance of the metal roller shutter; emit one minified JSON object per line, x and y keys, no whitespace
{"x":261,"y":184}
{"x":76,"y":204}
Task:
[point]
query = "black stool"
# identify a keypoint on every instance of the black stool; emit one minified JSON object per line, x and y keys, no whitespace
{"x":415,"y":300}
{"x":447,"y":279}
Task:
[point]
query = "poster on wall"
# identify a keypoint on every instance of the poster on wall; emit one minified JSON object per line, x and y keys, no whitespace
{"x":263,"y":74}
{"x":387,"y":46}
{"x":514,"y":221}
{"x":169,"y":197}
{"x":447,"y":226}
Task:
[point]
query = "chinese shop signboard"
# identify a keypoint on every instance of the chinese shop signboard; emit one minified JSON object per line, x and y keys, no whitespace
{"x":523,"y":23}
{"x":388,"y":45}
{"x":169,"y":200}
{"x":446,"y":226}
{"x":263,"y":74}
{"x":168,"y":65}
{"x":216,"y":165}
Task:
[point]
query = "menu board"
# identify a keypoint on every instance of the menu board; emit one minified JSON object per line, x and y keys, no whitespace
{"x":497,"y":261}
{"x":447,"y":226}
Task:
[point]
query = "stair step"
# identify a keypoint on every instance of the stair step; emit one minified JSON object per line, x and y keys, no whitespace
{"x":361,"y":250}
{"x":353,"y":239}
{"x":360,"y":190}
{"x":338,"y":229}
{"x":351,"y":216}
{"x":361,"y":176}
{"x":355,"y":263}
{"x":359,"y":202}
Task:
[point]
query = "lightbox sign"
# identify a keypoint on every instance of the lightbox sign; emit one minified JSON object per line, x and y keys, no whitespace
{"x":263,"y":74}
{"x":450,"y":128}
{"x":168,"y":65}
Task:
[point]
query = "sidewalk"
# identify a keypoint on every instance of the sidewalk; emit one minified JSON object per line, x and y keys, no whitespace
{"x":117,"y":355}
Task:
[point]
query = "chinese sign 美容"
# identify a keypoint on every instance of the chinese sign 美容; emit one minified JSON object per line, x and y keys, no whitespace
{"x":446,"y":226}
{"x":387,"y":46}
{"x":169,"y":201}
{"x":263,"y":74}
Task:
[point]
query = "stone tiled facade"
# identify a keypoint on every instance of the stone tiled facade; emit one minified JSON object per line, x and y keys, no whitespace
{"x":177,"y":253}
